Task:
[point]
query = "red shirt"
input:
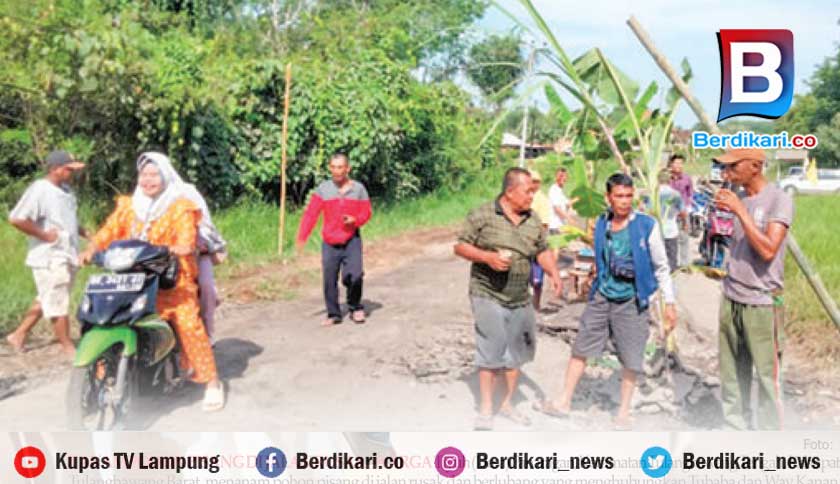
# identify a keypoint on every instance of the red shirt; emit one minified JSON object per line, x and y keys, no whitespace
{"x":335,"y":204}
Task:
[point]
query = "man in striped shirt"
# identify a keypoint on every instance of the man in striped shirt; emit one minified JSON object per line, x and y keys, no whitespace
{"x":346,"y":207}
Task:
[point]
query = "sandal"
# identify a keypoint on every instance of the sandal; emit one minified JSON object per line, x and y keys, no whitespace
{"x":330,"y":322}
{"x":214,"y":398}
{"x":358,"y":316}
{"x":483,"y":422}
{"x":515,"y":416}
{"x":548,"y":407}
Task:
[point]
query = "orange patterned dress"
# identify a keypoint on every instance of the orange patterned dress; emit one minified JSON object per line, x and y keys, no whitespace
{"x":179,"y":305}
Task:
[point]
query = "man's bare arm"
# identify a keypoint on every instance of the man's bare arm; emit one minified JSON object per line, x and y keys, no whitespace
{"x":474,"y":254}
{"x":766,"y":244}
{"x":29,"y":227}
{"x":561,"y":212}
{"x":548,"y":262}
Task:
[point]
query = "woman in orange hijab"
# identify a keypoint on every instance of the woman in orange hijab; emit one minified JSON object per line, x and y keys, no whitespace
{"x":160,"y":213}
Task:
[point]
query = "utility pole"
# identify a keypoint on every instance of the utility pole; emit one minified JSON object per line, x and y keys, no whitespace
{"x":524,"y":139}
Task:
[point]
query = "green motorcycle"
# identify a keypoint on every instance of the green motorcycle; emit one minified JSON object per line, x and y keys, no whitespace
{"x":126,"y":349}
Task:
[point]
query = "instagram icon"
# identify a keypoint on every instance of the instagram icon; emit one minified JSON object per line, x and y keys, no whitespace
{"x":450,"y":462}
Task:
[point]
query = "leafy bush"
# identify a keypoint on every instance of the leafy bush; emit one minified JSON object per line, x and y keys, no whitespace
{"x":110,"y":79}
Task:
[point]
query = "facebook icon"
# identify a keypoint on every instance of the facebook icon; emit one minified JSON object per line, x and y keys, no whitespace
{"x":271,"y":462}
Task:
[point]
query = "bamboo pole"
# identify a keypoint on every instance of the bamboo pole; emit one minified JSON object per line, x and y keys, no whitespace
{"x":669,"y":71}
{"x":815,"y":280}
{"x":793,"y":246}
{"x":283,"y":141}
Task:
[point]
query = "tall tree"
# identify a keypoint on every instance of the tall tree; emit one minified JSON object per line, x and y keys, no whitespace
{"x":816,"y":111}
{"x":495,"y":66}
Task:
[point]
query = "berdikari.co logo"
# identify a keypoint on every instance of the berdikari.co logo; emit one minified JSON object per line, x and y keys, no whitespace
{"x":756,"y":73}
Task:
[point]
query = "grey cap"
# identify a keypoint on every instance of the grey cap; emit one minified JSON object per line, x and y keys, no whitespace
{"x":58,"y":159}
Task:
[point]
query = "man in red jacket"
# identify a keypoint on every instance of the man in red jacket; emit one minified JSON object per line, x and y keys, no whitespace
{"x":346,"y":208}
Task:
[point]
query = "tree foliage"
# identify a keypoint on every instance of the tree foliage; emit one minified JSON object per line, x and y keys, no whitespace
{"x":203,"y":81}
{"x":815,"y":112}
{"x":495,"y":66}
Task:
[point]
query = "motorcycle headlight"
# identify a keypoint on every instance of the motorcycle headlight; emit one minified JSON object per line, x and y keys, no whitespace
{"x":120,"y":259}
{"x":139,"y":304}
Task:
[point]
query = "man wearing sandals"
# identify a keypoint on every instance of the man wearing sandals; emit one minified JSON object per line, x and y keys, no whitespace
{"x":47,"y":214}
{"x":630,"y":264}
{"x":346,"y":208}
{"x":501,"y":238}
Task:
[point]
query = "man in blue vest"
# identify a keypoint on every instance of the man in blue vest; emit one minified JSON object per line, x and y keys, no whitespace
{"x":630,"y":266}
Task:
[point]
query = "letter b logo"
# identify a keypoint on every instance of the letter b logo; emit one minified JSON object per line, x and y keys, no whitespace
{"x":756,"y":73}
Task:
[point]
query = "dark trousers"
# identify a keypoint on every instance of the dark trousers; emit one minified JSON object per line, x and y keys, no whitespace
{"x":347,"y":258}
{"x":672,"y":250}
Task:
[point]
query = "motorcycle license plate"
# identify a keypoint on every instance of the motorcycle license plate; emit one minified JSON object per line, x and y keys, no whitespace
{"x":110,"y":283}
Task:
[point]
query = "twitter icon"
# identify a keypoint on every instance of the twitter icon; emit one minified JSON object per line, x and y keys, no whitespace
{"x":656,"y":462}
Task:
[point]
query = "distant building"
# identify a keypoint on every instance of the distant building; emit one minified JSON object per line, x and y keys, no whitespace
{"x":792,"y":156}
{"x":532,"y":150}
{"x":788,"y":159}
{"x":681,"y":137}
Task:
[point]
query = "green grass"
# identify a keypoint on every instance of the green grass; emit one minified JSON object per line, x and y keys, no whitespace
{"x":251,"y":228}
{"x":813,"y":226}
{"x":251,"y":231}
{"x":17,"y":287}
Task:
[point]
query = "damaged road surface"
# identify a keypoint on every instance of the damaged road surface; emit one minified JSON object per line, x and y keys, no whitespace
{"x":409,"y":367}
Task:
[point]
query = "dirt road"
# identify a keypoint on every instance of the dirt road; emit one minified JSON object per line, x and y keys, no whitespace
{"x":408,"y":368}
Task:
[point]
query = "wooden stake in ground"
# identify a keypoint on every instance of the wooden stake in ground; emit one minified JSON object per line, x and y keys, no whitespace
{"x":284,"y":137}
{"x":802,"y":261}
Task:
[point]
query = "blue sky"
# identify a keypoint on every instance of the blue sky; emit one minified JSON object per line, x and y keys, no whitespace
{"x":680,"y":29}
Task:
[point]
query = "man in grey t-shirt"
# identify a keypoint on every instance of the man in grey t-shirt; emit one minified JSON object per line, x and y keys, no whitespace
{"x":47,"y":214}
{"x":752,"y":307}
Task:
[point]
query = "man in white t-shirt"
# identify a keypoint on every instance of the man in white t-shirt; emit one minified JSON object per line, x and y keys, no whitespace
{"x":672,"y":214}
{"x":560,"y":210}
{"x":47,"y":214}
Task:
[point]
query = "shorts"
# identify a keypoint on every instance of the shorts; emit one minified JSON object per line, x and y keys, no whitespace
{"x":537,"y":274}
{"x":619,"y":321}
{"x":505,"y":337}
{"x":54,"y":284}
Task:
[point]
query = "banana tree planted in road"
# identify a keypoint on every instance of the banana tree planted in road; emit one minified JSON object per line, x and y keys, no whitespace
{"x":610,"y":101}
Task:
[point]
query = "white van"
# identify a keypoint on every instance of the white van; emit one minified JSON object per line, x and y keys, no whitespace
{"x":828,"y":182}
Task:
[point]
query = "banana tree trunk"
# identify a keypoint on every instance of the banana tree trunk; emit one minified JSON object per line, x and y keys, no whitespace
{"x":608,"y":133}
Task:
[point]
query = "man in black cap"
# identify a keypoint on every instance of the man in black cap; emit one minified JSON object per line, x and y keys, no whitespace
{"x":47,"y":214}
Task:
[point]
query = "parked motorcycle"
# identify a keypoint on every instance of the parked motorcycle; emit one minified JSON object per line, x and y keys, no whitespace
{"x":697,"y":215}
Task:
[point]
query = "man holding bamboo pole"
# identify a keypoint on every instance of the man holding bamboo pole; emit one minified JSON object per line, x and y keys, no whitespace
{"x":752,"y":310}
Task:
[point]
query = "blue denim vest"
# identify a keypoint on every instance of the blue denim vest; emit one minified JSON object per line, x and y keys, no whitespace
{"x":640,"y":227}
